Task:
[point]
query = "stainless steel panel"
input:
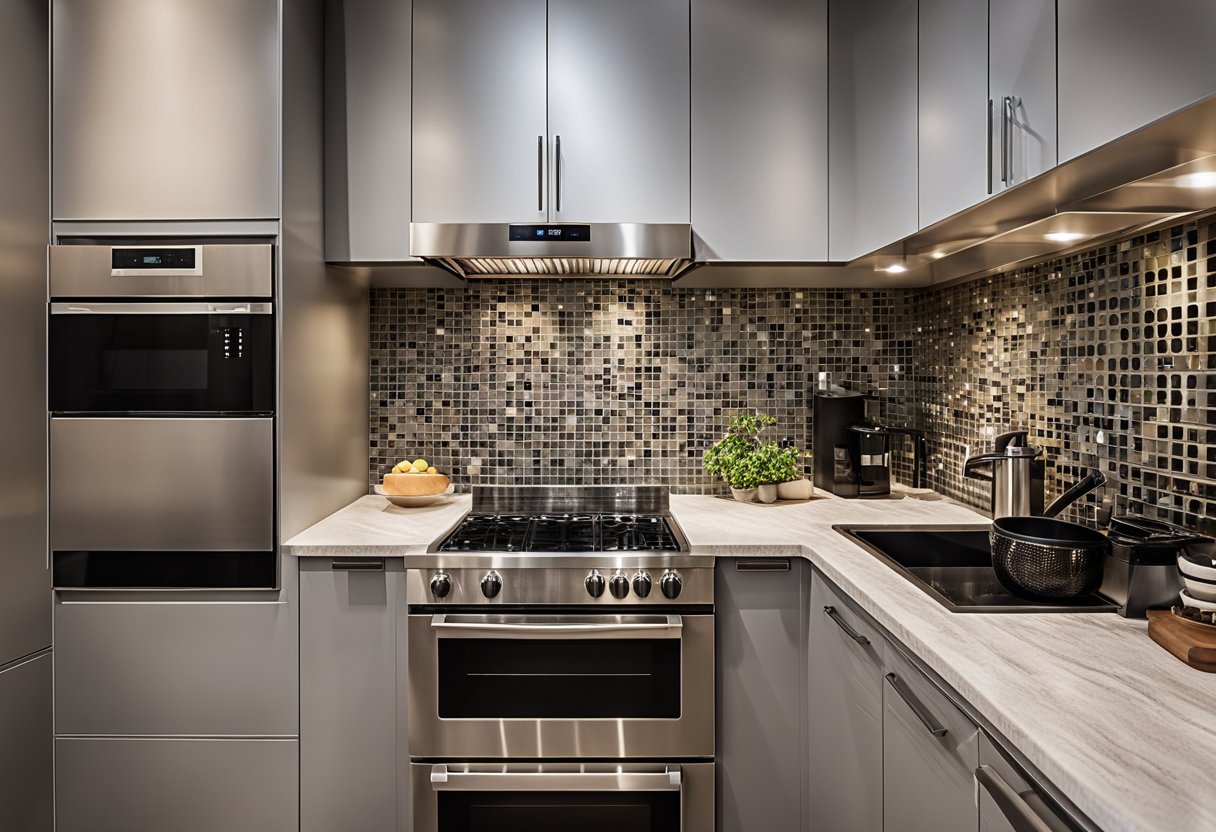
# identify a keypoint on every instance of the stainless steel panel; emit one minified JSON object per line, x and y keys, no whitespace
{"x":82,"y":308}
{"x":558,"y":627}
{"x":25,"y":624}
{"x":872,"y":121}
{"x":845,"y":714}
{"x":695,"y":782}
{"x":165,"y":109}
{"x":162,"y":484}
{"x":151,"y":785}
{"x":367,"y":130}
{"x":349,"y":661}
{"x":762,"y":695}
{"x":572,"y":499}
{"x":1105,"y":92}
{"x":953,"y":124}
{"x":1022,"y":70}
{"x":760,"y":130}
{"x":85,"y":271}
{"x":165,"y":666}
{"x":479,"y":102}
{"x":691,"y":735}
{"x":26,"y":753}
{"x":930,"y":751}
{"x":619,"y":104}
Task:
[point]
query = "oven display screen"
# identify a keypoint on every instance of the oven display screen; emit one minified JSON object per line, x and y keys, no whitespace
{"x":152,"y":258}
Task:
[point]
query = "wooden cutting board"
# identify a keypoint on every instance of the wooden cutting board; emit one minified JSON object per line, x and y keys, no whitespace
{"x":1194,"y":644}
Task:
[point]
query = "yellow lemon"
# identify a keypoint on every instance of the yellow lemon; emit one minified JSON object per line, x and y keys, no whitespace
{"x":432,"y":470}
{"x":421,"y":464}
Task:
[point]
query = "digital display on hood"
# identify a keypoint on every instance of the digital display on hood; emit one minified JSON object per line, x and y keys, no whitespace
{"x":550,"y":233}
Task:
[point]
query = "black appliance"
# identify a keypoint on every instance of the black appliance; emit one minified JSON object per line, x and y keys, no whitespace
{"x":1141,"y":571}
{"x":833,"y":414}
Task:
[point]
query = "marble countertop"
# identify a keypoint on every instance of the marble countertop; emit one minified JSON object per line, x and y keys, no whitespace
{"x":1118,"y":725}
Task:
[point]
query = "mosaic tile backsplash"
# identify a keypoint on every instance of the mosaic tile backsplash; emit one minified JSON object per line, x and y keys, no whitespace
{"x":1108,"y":357}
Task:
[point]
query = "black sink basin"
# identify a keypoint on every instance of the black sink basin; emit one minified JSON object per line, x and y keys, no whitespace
{"x":953,"y":564}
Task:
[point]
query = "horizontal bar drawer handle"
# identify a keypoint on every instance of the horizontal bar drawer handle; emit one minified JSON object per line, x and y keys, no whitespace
{"x":763,"y":565}
{"x":1021,"y":817}
{"x":561,"y":625}
{"x":844,"y":625}
{"x":358,"y":564}
{"x":926,"y":718}
{"x":174,"y":308}
{"x":536,"y":779}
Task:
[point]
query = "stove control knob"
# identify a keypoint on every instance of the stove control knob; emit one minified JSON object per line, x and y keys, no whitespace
{"x":671,"y":584}
{"x":594,"y":584}
{"x":619,"y":586}
{"x":642,"y":584}
{"x":441,"y":585}
{"x":491,"y":584}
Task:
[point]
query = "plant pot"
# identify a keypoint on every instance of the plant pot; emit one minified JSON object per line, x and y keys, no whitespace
{"x":800,"y":489}
{"x":767,"y":493}
{"x":743,"y":495}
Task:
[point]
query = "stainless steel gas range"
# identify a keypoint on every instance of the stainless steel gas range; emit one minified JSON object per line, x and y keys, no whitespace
{"x":561,"y":667}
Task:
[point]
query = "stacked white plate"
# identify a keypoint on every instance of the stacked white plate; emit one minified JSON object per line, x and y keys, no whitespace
{"x":1199,"y":577}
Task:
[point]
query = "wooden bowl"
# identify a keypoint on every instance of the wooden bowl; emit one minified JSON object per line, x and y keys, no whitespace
{"x":416,"y":485}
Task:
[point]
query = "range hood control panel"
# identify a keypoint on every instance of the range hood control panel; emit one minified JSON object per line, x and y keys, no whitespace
{"x":550,"y":233}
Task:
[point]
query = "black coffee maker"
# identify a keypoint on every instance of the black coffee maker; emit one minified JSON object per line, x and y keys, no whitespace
{"x":851,"y":455}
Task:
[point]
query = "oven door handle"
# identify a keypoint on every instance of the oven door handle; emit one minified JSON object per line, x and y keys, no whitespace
{"x":555,"y":626}
{"x":620,"y":779}
{"x":201,"y":308}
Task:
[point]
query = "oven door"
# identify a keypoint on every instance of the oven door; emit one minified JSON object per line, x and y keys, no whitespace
{"x":561,"y":686}
{"x":161,"y":359}
{"x":559,"y":797}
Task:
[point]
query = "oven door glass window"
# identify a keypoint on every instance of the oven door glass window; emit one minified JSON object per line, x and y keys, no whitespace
{"x":537,"y":678}
{"x":161,"y":363}
{"x":559,"y":812}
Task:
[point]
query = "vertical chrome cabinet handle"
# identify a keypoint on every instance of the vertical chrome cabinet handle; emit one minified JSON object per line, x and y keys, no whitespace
{"x":844,"y":625}
{"x":540,"y":173}
{"x":926,"y":718}
{"x":989,"y":156}
{"x":1014,"y":808}
{"x":557,"y":153}
{"x":1005,"y":140}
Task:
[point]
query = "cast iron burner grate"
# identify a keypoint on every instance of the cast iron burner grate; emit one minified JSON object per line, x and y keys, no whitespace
{"x":562,"y":533}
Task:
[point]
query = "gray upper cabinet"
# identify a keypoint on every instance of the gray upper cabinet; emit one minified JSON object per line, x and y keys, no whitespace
{"x":930,"y":753}
{"x":619,"y":110}
{"x":953,"y":83}
{"x":762,"y":694}
{"x":873,"y":122}
{"x":351,"y":728}
{"x":1022,"y":89}
{"x":759,"y":130}
{"x":1115,"y":79}
{"x":479,"y":103}
{"x":845,"y":716}
{"x":367,"y":130}
{"x":165,"y":109}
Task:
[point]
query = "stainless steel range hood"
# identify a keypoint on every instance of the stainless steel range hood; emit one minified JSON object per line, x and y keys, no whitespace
{"x":479,"y":250}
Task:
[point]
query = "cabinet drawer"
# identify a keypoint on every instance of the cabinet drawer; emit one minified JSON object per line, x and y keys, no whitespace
{"x":1008,"y":800}
{"x":175,"y":667}
{"x":153,"y":785}
{"x":930,"y":752}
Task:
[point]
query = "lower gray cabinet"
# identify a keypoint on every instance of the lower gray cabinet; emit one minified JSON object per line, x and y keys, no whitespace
{"x":930,"y":754}
{"x":845,"y":716}
{"x":1009,"y":800}
{"x":26,"y":755}
{"x":761,"y":671}
{"x":184,"y":785}
{"x":352,"y":728}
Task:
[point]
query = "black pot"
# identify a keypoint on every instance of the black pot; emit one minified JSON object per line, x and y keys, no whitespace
{"x":1041,"y":557}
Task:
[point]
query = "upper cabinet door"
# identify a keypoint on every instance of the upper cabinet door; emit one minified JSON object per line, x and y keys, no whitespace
{"x":873,"y":123}
{"x":759,"y":130}
{"x":1022,"y":86}
{"x":479,"y":111}
{"x":618,"y":109}
{"x":953,"y":107}
{"x":1114,"y":79}
{"x":165,"y":109}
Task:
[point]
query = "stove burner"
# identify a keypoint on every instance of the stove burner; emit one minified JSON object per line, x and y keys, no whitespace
{"x":562,"y":533}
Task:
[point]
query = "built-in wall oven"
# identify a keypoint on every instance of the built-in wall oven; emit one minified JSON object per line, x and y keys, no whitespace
{"x":161,"y":391}
{"x":561,"y":668}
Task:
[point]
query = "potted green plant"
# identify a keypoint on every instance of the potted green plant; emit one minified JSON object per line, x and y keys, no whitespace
{"x":750,"y":466}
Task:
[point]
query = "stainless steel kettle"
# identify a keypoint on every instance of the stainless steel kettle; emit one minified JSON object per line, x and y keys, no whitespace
{"x":1016,"y":471}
